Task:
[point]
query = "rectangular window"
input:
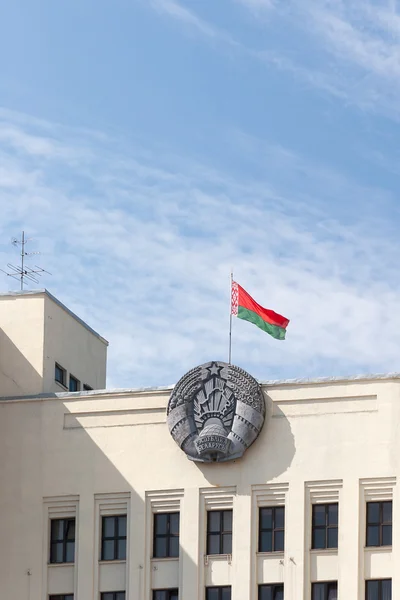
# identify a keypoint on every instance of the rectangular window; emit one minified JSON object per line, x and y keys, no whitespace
{"x":86,"y":387}
{"x":74,"y":384}
{"x":218,"y":593}
{"x":165,"y":595}
{"x":270,"y":592}
{"x":378,"y":589}
{"x":62,"y":541}
{"x":271,"y":529}
{"x":112,"y":596}
{"x":379,"y":523}
{"x":166,"y":535}
{"x":61,"y":597}
{"x":326,"y":590}
{"x":219,"y":532}
{"x":113,"y":538}
{"x":60,"y":375}
{"x":324,"y":526}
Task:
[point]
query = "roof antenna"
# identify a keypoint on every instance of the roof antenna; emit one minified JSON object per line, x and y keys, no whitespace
{"x":22,"y":272}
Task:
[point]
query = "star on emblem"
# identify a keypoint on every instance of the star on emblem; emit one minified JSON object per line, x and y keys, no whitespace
{"x":214,"y":369}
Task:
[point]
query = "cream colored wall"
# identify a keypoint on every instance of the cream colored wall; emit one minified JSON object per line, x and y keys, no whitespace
{"x":113,"y":452}
{"x":21,"y":345}
{"x":74,"y":347}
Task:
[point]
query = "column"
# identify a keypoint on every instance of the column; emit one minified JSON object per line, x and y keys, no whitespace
{"x":191,"y":565}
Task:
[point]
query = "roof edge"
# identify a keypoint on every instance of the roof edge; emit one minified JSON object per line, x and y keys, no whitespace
{"x":275,"y":383}
{"x":60,"y":304}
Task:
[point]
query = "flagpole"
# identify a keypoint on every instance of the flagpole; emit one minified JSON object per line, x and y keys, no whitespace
{"x":230,"y":321}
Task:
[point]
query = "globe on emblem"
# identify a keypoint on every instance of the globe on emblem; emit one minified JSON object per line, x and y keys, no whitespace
{"x":215,"y":412}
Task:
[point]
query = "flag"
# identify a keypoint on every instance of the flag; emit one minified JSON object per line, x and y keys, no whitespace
{"x":245,"y":307}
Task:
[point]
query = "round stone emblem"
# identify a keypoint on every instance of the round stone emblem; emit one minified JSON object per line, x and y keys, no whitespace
{"x":215,"y":412}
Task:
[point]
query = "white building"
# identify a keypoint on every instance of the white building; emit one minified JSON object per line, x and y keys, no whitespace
{"x":98,"y":502}
{"x":40,"y":336}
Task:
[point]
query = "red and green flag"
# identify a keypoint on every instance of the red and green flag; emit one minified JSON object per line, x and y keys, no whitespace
{"x":245,"y":307}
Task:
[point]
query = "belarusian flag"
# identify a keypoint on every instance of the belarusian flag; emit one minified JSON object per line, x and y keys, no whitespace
{"x":244,"y":307}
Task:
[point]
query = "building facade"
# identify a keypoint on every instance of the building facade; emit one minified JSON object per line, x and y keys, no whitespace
{"x":97,"y":500}
{"x":39,"y":334}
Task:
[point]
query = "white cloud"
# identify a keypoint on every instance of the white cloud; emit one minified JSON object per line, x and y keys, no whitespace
{"x":357,"y":44}
{"x":141,"y":247}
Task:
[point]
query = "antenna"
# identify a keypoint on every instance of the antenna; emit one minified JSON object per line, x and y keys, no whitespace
{"x":22,"y":272}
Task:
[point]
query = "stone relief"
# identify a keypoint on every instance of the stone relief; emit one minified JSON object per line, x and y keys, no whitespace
{"x":215,"y":412}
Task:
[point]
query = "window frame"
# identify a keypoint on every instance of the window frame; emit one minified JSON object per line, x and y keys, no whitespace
{"x":380,"y":582}
{"x":326,"y":585}
{"x":275,"y":587}
{"x":326,"y":527}
{"x":381,"y":524}
{"x":273,"y":529}
{"x":220,"y":589}
{"x":168,"y":536}
{"x":78,"y":383}
{"x":63,"y":372}
{"x":61,"y":597}
{"x":169,"y":592}
{"x":114,"y":594}
{"x":221,"y":532}
{"x":115,"y":538}
{"x":64,"y":541}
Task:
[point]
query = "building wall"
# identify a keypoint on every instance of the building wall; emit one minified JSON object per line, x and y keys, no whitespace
{"x":36,"y":331}
{"x":110,"y":453}
{"x":67,"y":342}
{"x":21,"y":345}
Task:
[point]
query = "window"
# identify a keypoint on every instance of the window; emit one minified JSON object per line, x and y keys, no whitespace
{"x":379,"y":523}
{"x":113,"y":596}
{"x":74,"y":384}
{"x":60,"y":375}
{"x":62,"y":541}
{"x":166,"y":535}
{"x":271,"y":529}
{"x":113,"y":538}
{"x":219,"y":532}
{"x":378,"y":589}
{"x":324,"y":526}
{"x":324,"y":591}
{"x":165,"y":594}
{"x":270,"y":592}
{"x":218,"y":593}
{"x":86,"y":387}
{"x":61,"y":597}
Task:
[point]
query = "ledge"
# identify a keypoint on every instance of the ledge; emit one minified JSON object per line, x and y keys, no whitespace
{"x":372,"y":549}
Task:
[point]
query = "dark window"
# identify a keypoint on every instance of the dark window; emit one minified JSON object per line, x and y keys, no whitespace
{"x":62,"y":540}
{"x":86,"y":387}
{"x":324,"y":526}
{"x":166,"y":535}
{"x":378,"y":589}
{"x":113,"y":596}
{"x":271,"y":529}
{"x":218,"y":593}
{"x":165,"y":594}
{"x":270,"y":592}
{"x":219,"y":532}
{"x":379,"y":523}
{"x":74,"y":384}
{"x":113,"y":538}
{"x":61,"y":597}
{"x":60,"y":374}
{"x":324,"y":591}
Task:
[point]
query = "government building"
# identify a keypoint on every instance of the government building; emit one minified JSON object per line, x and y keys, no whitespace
{"x":220,"y":488}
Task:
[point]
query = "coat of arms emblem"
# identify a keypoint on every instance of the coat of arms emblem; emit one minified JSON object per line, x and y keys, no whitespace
{"x":215,"y":412}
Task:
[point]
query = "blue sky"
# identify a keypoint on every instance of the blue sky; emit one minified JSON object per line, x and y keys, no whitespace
{"x":150,"y":145}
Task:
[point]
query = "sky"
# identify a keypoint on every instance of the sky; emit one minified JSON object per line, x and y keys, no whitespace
{"x":148,"y":147}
